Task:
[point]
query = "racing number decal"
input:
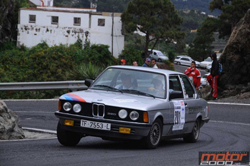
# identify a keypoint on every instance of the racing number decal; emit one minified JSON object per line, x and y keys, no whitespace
{"x":179,"y":115}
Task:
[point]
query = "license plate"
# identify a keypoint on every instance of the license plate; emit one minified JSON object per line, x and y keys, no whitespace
{"x":95,"y":125}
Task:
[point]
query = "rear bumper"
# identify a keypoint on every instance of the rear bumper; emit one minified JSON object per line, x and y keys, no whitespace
{"x":138,"y":130}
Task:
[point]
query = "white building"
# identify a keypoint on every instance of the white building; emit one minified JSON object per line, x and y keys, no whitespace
{"x":59,"y":25}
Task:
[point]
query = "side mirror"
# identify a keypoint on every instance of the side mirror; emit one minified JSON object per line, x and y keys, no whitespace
{"x":175,"y":95}
{"x":88,"y":82}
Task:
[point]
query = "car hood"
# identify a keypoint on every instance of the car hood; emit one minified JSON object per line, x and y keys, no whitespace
{"x":116,"y":99}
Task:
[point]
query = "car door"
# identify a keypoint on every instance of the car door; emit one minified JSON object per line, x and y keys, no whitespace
{"x":176,"y":99}
{"x":193,"y":104}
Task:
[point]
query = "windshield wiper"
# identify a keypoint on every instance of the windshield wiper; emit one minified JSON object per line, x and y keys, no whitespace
{"x":137,"y":92}
{"x":109,"y":87}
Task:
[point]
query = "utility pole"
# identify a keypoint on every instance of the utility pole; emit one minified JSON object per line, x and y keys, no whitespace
{"x":112,"y":33}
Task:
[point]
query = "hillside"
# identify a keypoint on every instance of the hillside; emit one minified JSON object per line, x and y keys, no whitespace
{"x":120,"y":5}
{"x":194,"y":4}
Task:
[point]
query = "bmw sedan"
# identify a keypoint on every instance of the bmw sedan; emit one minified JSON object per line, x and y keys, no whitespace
{"x":132,"y":103}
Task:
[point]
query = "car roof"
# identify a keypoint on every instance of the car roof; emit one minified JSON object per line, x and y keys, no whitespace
{"x":182,"y":56}
{"x":149,"y":69}
{"x":154,"y":50}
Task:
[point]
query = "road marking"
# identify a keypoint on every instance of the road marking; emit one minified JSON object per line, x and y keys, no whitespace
{"x":222,"y":103}
{"x":39,"y":130}
{"x":235,"y":123}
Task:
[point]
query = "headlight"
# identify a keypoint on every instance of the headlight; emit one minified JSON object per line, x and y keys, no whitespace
{"x":77,"y":108}
{"x":67,"y":106}
{"x":123,"y":114}
{"x":134,"y":115}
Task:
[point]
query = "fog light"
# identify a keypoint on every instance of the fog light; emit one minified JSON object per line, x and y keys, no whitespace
{"x":124,"y":130}
{"x":69,"y":122}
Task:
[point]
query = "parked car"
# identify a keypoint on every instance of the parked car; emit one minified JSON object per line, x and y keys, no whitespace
{"x":207,"y":61}
{"x":132,"y":103}
{"x":157,"y":55}
{"x":185,"y":60}
{"x":177,"y":58}
{"x":204,"y":80}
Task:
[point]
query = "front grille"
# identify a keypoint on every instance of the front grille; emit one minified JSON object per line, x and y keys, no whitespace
{"x":98,"y":110}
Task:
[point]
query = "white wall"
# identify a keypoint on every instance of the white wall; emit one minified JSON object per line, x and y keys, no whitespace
{"x":43,"y":18}
{"x":31,"y":34}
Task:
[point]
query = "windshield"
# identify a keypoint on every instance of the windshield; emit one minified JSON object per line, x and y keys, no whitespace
{"x":132,"y":81}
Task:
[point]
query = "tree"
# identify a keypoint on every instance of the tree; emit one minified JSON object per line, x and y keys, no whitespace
{"x":232,"y":12}
{"x":201,"y":46}
{"x":158,"y":19}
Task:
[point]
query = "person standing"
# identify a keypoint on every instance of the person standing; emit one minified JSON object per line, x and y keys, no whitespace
{"x":194,"y":75}
{"x":213,"y":76}
{"x":153,"y":62}
{"x":147,"y":62}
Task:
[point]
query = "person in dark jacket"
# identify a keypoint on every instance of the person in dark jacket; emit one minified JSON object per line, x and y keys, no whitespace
{"x":214,"y":74}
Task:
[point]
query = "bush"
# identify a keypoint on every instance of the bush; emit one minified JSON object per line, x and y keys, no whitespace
{"x":131,"y":54}
{"x":87,"y":71}
{"x":98,"y":55}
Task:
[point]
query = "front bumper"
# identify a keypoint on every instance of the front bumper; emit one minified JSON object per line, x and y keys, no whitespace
{"x":138,"y":130}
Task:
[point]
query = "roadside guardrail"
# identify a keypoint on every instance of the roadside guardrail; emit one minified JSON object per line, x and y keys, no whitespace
{"x":50,"y":85}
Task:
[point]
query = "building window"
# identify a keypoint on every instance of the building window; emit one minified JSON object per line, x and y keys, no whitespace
{"x":101,"y":22}
{"x":77,"y":21}
{"x":32,"y":18}
{"x":54,"y":20}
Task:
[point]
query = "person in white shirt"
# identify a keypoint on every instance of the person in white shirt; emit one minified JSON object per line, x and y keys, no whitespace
{"x":153,"y":62}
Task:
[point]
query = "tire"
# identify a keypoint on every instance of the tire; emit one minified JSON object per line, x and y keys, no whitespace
{"x":159,"y":60}
{"x":67,"y":138}
{"x":154,"y":136}
{"x":194,"y":135}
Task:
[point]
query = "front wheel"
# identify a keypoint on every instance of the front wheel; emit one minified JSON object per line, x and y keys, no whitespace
{"x":194,"y":135}
{"x":67,"y":138}
{"x":154,"y":137}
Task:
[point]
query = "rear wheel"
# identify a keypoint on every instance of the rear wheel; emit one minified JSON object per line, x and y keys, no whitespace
{"x":194,"y":135}
{"x":154,"y":136}
{"x":67,"y":138}
{"x":159,"y":60}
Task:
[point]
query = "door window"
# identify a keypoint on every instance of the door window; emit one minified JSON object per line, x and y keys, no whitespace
{"x":189,"y":90}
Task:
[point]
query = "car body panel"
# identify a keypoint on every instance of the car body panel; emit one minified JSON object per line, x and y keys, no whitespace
{"x":185,"y":60}
{"x":157,"y":55}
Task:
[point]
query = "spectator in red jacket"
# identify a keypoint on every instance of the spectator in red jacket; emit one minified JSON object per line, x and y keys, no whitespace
{"x":194,"y":75}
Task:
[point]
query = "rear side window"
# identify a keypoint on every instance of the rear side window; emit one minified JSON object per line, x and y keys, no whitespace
{"x":188,"y":87}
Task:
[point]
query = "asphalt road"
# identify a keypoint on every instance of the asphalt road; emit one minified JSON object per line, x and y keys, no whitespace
{"x":228,"y":130}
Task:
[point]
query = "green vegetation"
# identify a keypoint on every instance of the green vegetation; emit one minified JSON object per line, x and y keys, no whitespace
{"x":201,"y":47}
{"x":158,"y":19}
{"x":231,"y":12}
{"x":57,"y":63}
{"x":131,"y":54}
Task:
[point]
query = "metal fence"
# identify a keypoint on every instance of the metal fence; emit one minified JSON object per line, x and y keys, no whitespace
{"x":51,"y":85}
